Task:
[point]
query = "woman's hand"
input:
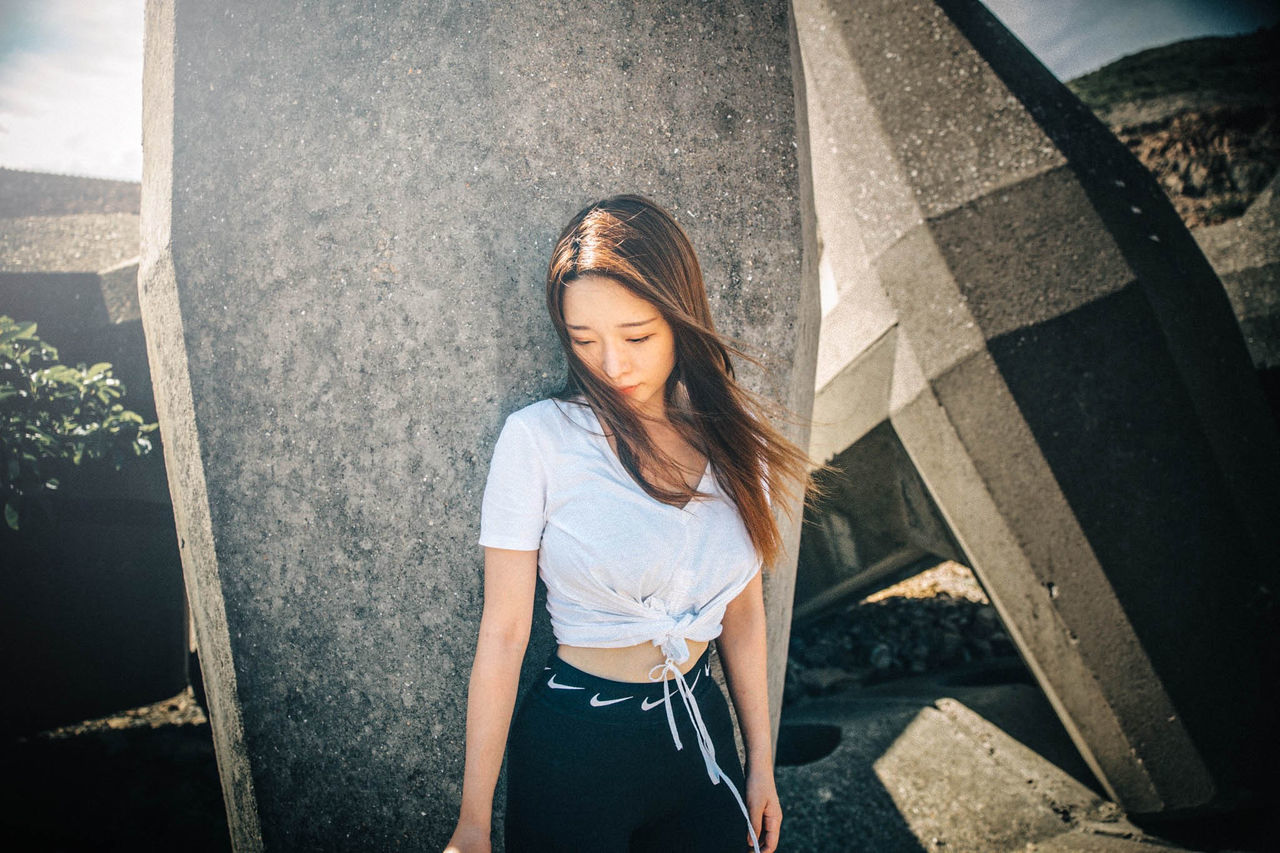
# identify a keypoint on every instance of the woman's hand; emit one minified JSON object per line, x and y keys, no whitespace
{"x":744,"y":657}
{"x":764,"y":808}
{"x":470,"y":838}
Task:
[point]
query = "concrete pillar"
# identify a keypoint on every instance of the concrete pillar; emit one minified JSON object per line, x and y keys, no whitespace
{"x":1024,"y":307}
{"x":347,"y":213}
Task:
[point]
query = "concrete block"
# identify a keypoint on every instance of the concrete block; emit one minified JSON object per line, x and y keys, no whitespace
{"x":345,"y":232}
{"x":1245,"y":253}
{"x":875,"y":525}
{"x":1069,"y":381}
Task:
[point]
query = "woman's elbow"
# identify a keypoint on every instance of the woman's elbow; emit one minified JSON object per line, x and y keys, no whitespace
{"x":505,"y":635}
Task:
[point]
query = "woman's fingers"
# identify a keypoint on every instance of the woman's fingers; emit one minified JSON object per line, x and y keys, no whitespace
{"x":764,"y":811}
{"x":772,"y":826}
{"x":767,"y":830}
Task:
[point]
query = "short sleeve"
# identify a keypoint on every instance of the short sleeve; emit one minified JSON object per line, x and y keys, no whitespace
{"x":513,"y":511}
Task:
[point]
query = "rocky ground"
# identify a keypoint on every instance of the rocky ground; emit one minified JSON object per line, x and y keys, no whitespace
{"x":1202,"y":115}
{"x":1212,"y":163}
{"x":937,"y":620}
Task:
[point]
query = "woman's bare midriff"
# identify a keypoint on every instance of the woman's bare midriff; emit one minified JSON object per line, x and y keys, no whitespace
{"x":629,"y":663}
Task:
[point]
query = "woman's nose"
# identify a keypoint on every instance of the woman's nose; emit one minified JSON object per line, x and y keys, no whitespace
{"x":614,"y":362}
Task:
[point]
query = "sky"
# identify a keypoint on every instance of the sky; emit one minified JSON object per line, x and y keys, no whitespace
{"x":1074,"y":37}
{"x":71,"y":87}
{"x":71,"y":70}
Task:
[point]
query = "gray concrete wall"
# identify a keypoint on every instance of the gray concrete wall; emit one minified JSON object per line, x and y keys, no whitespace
{"x":1067,"y":377}
{"x":345,"y":228}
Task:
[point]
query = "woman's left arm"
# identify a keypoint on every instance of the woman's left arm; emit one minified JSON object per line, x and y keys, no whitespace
{"x":743,"y":655}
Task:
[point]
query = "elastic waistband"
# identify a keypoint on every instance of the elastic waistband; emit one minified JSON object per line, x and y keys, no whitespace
{"x":570,"y":689}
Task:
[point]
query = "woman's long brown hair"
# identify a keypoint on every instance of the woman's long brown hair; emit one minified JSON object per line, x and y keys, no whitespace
{"x":636,"y":243}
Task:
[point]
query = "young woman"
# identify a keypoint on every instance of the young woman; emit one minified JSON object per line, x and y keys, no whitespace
{"x":641,"y":494}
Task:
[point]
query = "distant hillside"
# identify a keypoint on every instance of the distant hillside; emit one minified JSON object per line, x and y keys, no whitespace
{"x":1203,"y":115}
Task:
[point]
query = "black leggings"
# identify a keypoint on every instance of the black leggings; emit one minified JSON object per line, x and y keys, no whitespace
{"x":592,"y":766}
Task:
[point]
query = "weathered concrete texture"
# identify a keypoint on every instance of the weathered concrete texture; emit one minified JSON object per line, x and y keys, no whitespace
{"x":1245,"y":253}
{"x":1069,"y":381}
{"x":345,"y":229}
{"x":946,"y":768}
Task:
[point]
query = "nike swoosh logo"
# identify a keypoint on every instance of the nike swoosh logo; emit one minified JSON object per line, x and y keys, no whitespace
{"x":551,"y":682}
{"x":597,"y":702}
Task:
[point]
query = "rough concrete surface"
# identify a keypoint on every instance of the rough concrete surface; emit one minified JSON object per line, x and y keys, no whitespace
{"x":345,"y":231}
{"x":1067,"y":377}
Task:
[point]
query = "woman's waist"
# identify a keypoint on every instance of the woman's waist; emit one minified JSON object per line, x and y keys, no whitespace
{"x":631,"y":664}
{"x":567,"y":689}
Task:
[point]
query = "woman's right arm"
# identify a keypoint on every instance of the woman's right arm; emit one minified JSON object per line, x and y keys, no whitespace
{"x":509,"y":580}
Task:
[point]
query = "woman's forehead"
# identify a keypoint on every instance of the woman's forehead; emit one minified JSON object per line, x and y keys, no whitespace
{"x":597,"y":300}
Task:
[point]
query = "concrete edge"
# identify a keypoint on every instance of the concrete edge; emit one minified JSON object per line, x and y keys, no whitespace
{"x":171,"y":383}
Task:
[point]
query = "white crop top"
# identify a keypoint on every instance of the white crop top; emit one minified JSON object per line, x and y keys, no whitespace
{"x":620,"y":567}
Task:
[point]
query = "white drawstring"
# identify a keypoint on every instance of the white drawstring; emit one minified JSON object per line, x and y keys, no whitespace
{"x":704,"y":737}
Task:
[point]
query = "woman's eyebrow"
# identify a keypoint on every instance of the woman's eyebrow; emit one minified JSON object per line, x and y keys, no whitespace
{"x":620,"y":325}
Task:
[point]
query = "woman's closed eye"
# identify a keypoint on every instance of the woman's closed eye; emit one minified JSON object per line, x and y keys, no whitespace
{"x":581,"y":343}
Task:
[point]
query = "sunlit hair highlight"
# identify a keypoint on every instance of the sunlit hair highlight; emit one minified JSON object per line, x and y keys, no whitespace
{"x":637,"y":244}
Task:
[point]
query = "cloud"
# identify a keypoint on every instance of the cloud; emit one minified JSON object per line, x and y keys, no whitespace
{"x":71,"y":87}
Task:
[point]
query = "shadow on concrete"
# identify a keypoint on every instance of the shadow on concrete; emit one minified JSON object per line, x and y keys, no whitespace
{"x":840,"y":796}
{"x":971,"y":758}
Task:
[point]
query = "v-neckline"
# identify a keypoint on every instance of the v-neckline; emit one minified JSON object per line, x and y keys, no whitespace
{"x":622,"y":469}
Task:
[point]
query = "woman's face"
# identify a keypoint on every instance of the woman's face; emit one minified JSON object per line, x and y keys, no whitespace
{"x":621,"y":338}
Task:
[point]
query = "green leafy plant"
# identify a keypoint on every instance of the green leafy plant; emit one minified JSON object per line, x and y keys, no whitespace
{"x":52,"y":414}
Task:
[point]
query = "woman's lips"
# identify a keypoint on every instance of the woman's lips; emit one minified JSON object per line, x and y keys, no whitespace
{"x":630,"y":389}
